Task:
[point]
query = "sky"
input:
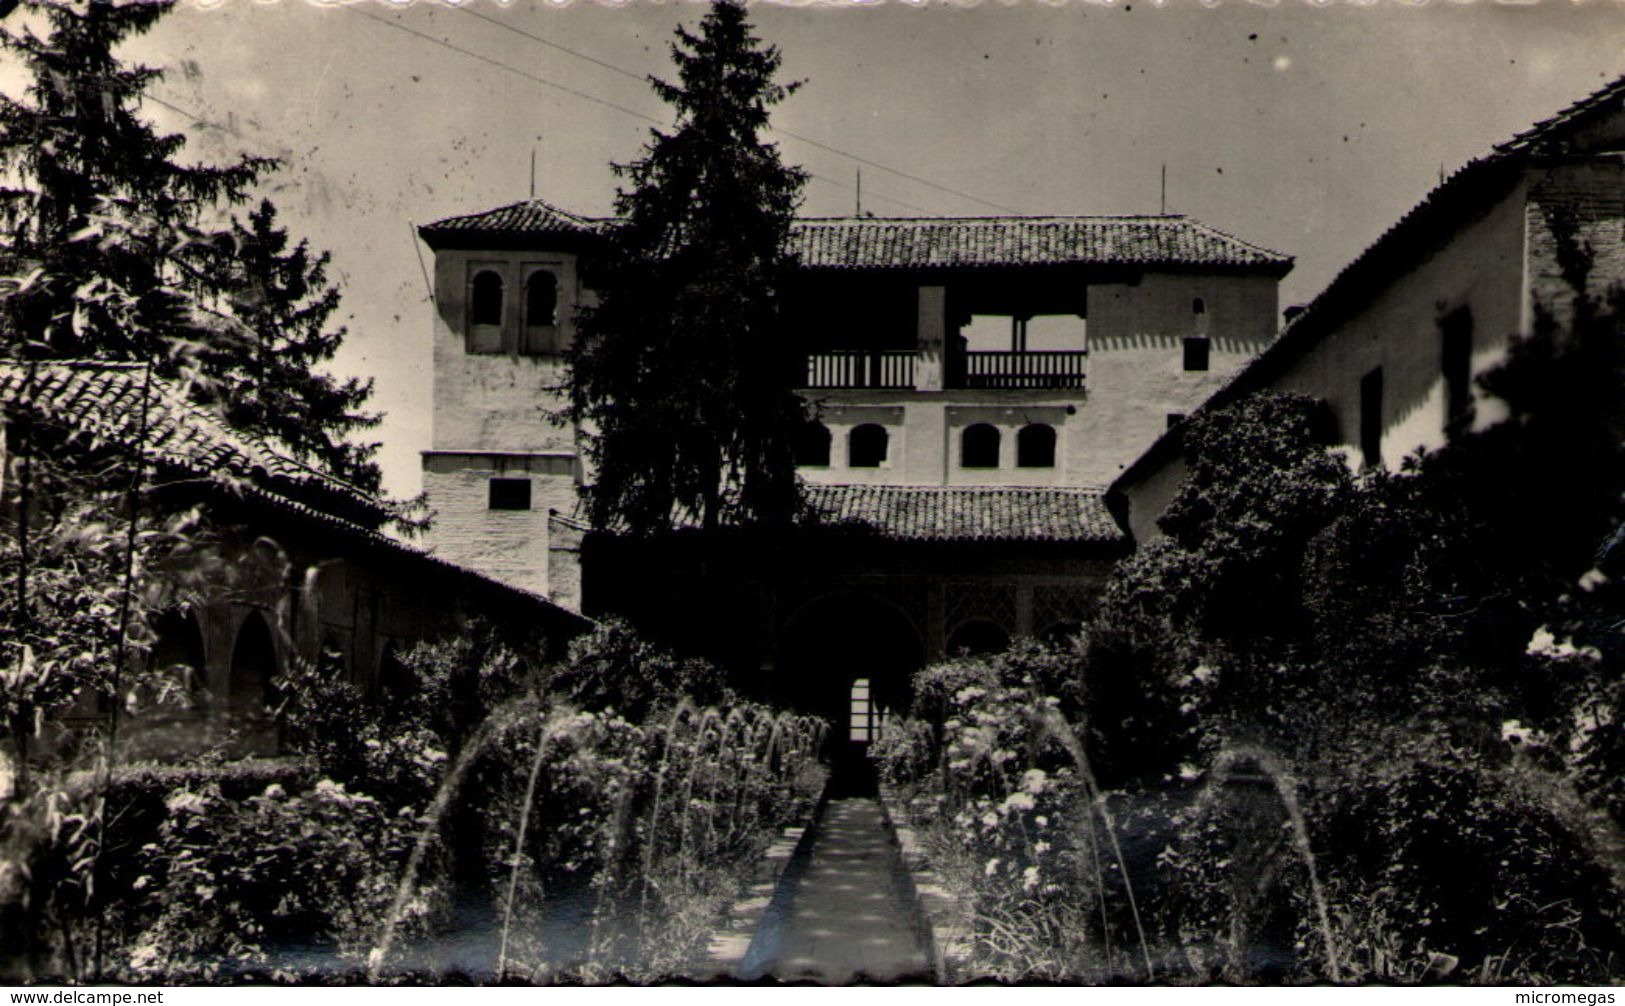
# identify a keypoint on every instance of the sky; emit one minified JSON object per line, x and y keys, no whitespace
{"x":1309,"y":128}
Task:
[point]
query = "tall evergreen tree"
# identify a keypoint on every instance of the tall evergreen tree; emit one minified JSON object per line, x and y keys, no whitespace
{"x":282,"y":295}
{"x":681,"y":376}
{"x":99,"y":219}
{"x":113,"y":248}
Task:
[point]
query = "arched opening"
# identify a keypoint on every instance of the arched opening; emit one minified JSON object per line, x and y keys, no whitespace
{"x":977,"y":638}
{"x":812,"y":446}
{"x":848,"y":658}
{"x":252,"y":689}
{"x":542,"y":299}
{"x":866,"y":446}
{"x":1035,"y":446}
{"x":979,"y":446}
{"x":485,"y":299}
{"x":177,"y":656}
{"x":1198,"y":306}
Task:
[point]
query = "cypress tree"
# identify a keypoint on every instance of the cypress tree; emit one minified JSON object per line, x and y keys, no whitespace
{"x":680,"y":376}
{"x":282,"y":295}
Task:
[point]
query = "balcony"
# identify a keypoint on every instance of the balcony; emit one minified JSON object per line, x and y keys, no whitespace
{"x":1014,"y":369}
{"x":1002,"y":369}
{"x":852,"y":368}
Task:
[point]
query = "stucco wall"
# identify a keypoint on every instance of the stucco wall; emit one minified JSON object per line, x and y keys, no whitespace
{"x":1137,"y":373}
{"x":498,"y":401}
{"x":511,"y":545}
{"x":1481,"y":269}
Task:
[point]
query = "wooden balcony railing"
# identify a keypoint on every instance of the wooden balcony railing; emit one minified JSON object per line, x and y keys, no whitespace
{"x":1038,"y":369}
{"x":852,"y":368}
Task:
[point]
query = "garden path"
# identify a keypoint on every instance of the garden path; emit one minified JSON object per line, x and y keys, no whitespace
{"x":845,"y":919}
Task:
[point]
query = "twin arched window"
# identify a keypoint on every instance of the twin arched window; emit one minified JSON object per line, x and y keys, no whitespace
{"x":487,"y":306}
{"x":1035,"y":446}
{"x":866,"y":446}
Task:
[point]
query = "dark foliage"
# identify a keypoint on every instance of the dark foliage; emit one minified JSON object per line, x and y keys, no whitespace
{"x":680,"y":370}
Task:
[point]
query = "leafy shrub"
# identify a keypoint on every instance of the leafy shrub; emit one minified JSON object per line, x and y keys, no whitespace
{"x":228,"y":881}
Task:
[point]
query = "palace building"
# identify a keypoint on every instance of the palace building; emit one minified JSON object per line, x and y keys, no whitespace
{"x":977,"y":381}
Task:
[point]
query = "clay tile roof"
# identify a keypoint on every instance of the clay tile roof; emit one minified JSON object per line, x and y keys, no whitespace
{"x":970,"y":513}
{"x":929,"y":242}
{"x":102,"y":402}
{"x":1555,"y":126}
{"x":530,"y":217}
{"x":960,"y":242}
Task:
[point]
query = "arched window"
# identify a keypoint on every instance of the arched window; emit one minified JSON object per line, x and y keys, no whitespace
{"x":866,"y":446}
{"x":979,"y":446}
{"x":253,"y":667}
{"x":977,"y":638}
{"x":812,"y":446}
{"x":177,"y":653}
{"x":485,"y":299}
{"x":542,"y":299}
{"x":1035,"y":446}
{"x":1198,"y":306}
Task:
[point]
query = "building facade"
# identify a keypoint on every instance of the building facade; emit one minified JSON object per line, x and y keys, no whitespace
{"x":1011,"y":352}
{"x":1395,"y":343}
{"x":976,"y":383}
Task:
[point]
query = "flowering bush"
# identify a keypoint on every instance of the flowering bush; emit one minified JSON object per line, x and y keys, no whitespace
{"x":228,"y":880}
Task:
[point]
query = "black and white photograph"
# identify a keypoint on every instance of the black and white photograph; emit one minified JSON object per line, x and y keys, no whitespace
{"x":900,"y":492}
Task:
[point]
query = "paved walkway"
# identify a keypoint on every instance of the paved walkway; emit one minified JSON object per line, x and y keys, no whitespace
{"x":845,"y":919}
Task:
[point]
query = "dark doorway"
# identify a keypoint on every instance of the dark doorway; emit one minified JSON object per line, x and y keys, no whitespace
{"x":849,"y":659}
{"x":253,"y":668}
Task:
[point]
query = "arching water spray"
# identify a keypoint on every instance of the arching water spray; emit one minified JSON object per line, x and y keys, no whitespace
{"x":504,"y":718}
{"x":1286,"y":789}
{"x":1059,"y":729}
{"x":544,"y":737}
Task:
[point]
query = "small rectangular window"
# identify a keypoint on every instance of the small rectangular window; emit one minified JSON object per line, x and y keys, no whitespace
{"x":1371,"y":418}
{"x":1196,"y":352}
{"x":510,"y":494}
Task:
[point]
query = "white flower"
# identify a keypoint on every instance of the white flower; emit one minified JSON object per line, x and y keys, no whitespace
{"x":1018,"y":801}
{"x":184,"y":802}
{"x":1029,"y":878}
{"x":991,"y":868}
{"x":1591,"y":579}
{"x":1544,"y":644}
{"x":1033,"y":780}
{"x":1187,"y":771}
{"x":1203,"y":674}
